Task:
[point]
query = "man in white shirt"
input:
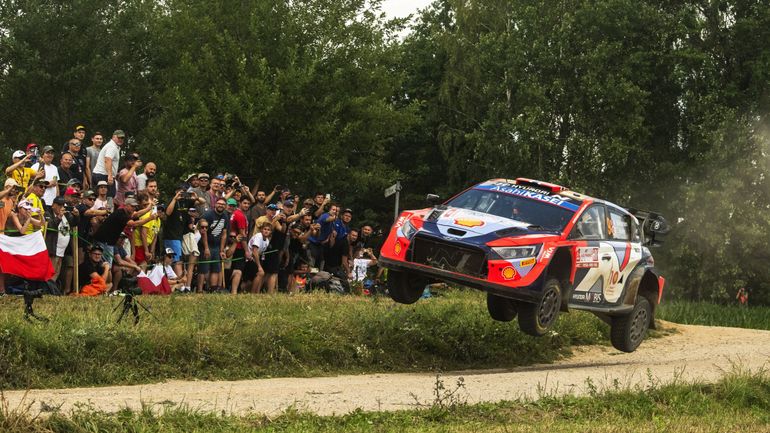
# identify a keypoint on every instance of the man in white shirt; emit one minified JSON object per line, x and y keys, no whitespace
{"x":108,"y":162}
{"x":51,"y":175}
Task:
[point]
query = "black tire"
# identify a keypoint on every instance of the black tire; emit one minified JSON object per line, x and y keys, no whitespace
{"x":628,"y":331}
{"x":501,"y":309}
{"x":537,"y":318}
{"x":404,"y":287}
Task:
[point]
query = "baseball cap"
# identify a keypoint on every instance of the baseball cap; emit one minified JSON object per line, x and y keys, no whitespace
{"x":71,"y":191}
{"x":31,"y":145}
{"x":203,"y":176}
{"x":11,"y":182}
{"x":232,"y":202}
{"x":131,"y":202}
{"x":119,"y":133}
{"x":102,"y":183}
{"x":18,"y":154}
{"x":79,"y":128}
{"x":74,"y":181}
{"x":89,"y":194}
{"x":41,"y":181}
{"x":48,"y":149}
{"x":27,"y":205}
{"x":192,"y":176}
{"x":272,"y":206}
{"x":288,"y":203}
{"x":59,"y":200}
{"x":170,"y":252}
{"x":95,"y":247}
{"x":348,"y":210}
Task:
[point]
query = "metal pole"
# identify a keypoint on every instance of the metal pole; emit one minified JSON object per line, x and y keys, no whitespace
{"x":398,"y":192}
{"x":75,"y":258}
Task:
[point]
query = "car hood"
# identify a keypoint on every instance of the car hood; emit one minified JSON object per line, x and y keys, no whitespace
{"x":463,"y":222}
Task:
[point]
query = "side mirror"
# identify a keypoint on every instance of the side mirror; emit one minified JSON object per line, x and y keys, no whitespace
{"x":433,"y":199}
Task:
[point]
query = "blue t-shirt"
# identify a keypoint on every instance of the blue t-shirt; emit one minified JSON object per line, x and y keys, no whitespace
{"x":327,"y":227}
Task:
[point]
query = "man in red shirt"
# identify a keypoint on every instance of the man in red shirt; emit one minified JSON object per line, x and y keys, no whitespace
{"x":239,"y":227}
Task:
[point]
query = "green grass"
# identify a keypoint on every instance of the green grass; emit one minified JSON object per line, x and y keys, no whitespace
{"x":221,"y":337}
{"x":740,"y":402}
{"x":704,"y":313}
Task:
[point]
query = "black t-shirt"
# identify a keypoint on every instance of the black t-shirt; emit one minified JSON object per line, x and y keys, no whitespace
{"x":87,"y":268}
{"x":176,"y":225}
{"x":112,"y":226}
{"x":84,"y":223}
{"x":333,"y":255}
{"x":64,"y":177}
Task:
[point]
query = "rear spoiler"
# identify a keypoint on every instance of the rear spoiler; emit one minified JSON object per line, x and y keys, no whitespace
{"x":654,"y":226}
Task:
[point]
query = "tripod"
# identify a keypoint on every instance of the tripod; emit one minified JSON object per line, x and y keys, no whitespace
{"x":130,"y":303}
{"x":29,"y":298}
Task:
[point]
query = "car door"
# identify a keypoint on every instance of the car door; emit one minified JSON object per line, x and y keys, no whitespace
{"x":593,"y":256}
{"x":623,"y":236}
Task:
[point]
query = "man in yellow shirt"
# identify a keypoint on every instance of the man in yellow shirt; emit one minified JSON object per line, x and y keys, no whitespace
{"x":19,"y":172}
{"x":145,"y":237}
{"x":33,"y":198}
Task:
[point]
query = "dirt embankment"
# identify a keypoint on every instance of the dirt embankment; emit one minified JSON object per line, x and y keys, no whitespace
{"x":691,"y":353}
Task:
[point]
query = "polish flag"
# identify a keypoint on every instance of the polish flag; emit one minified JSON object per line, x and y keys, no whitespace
{"x":26,"y":257}
{"x":154,"y":283}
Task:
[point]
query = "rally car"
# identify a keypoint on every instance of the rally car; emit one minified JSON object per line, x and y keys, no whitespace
{"x":537,"y":249}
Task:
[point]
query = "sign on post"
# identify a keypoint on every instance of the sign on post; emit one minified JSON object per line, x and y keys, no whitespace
{"x":394,"y":189}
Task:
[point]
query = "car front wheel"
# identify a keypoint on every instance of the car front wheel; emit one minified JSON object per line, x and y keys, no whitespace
{"x":405,"y":287}
{"x":537,"y":318}
{"x":501,"y":309}
{"x":627,"y":332}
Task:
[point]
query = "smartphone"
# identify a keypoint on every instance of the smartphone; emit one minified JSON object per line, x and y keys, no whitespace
{"x":328,"y":196}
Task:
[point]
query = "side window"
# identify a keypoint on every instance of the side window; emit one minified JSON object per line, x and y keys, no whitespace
{"x":590,"y":225}
{"x":619,"y":226}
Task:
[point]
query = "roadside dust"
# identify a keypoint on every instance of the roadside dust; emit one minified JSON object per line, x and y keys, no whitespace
{"x":687,"y":353}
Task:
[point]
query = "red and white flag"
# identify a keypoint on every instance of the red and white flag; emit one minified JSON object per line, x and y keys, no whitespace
{"x":26,"y":257}
{"x":154,"y":283}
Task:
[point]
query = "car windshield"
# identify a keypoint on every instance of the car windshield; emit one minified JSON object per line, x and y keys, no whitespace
{"x":533,"y":212}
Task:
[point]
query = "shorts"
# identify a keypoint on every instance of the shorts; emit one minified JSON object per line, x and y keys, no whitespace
{"x":250,"y":271}
{"x":205,"y":268}
{"x":139,"y":256}
{"x":68,"y":261}
{"x":239,"y":262}
{"x":189,"y":245}
{"x":175,"y":245}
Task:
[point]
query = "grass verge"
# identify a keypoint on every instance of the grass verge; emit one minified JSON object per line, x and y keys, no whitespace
{"x":739,"y":402}
{"x":704,"y":313}
{"x":228,"y":338}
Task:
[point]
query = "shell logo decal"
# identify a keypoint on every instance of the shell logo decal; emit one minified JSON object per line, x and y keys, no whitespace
{"x":469,"y":222}
{"x":397,"y":248}
{"x":509,"y":273}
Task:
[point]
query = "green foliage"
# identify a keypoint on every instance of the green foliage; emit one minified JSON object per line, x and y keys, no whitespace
{"x":740,"y":402}
{"x":703,"y":313}
{"x":224,"y":337}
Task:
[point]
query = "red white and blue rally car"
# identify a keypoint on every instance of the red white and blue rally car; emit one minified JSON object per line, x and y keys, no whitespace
{"x":537,"y":249}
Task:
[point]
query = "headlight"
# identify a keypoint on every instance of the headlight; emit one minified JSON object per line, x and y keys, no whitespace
{"x":408,"y":229}
{"x":508,"y":253}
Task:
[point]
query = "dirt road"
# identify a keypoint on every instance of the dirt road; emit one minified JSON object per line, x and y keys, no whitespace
{"x":692,"y":353}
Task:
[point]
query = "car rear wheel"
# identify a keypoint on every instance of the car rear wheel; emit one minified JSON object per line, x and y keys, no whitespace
{"x":405,"y":287}
{"x":627,"y":332}
{"x":501,"y":309}
{"x":537,"y":318}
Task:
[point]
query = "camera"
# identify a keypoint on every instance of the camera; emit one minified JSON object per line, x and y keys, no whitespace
{"x":186,"y":202}
{"x":68,"y":208}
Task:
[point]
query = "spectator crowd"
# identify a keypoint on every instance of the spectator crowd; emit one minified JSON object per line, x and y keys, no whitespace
{"x":100,"y":206}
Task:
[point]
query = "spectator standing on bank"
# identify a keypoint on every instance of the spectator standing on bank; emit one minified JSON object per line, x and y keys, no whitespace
{"x":110,"y":229}
{"x":213,"y":240}
{"x":79,"y":164}
{"x":19,"y":171}
{"x":176,"y":225}
{"x":239,"y":226}
{"x":92,"y":153}
{"x":127,"y":179}
{"x":103,"y":201}
{"x":108,"y":162}
{"x":51,"y":174}
{"x":65,"y":172}
{"x":149,"y":173}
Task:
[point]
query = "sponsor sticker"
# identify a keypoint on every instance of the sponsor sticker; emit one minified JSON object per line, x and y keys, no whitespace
{"x":509,"y":273}
{"x":587,"y":257}
{"x":594,"y":298}
{"x":465,"y":222}
{"x":548,"y":253}
{"x":527,"y":262}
